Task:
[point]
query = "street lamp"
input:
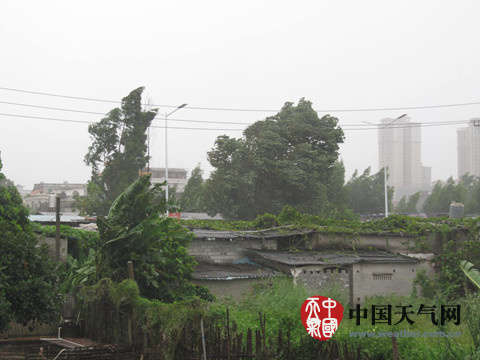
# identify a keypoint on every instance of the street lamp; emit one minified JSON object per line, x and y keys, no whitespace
{"x":385,"y":157}
{"x":166,"y":153}
{"x":385,"y":161}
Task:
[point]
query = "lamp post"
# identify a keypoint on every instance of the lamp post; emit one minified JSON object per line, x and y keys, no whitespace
{"x":166,"y":153}
{"x":385,"y":147}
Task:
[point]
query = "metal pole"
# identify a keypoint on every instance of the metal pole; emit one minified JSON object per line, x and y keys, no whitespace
{"x":57,"y":229}
{"x":203,"y":340}
{"x":166,"y":164}
{"x":166,"y":153}
{"x":148,"y":150}
{"x":385,"y":171}
{"x":385,"y":162}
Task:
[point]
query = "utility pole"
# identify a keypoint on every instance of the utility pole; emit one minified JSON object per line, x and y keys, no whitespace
{"x":166,"y":153}
{"x":57,"y":229}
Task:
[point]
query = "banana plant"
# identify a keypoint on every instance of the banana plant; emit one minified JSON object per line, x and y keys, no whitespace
{"x":472,"y":273}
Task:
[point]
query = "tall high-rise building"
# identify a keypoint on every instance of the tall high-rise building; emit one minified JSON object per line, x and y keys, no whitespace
{"x":468,"y":148}
{"x":399,"y":148}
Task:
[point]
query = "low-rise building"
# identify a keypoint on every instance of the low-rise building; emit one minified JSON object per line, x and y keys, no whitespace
{"x":232,"y":280}
{"x":42,"y":197}
{"x":177,"y":177}
{"x":360,"y":274}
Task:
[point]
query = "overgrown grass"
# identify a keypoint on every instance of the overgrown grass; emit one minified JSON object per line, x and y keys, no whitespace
{"x":281,"y":303}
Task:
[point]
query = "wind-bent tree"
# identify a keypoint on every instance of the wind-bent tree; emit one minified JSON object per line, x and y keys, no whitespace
{"x":367,"y":192}
{"x":28,"y":277}
{"x":408,"y":204}
{"x":286,"y":159}
{"x":442,"y":196}
{"x":193,"y":194}
{"x":118,"y":152}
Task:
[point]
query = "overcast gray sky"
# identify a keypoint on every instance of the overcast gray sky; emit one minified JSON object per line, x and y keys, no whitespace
{"x":341,"y":55}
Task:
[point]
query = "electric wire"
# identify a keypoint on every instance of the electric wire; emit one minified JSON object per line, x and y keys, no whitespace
{"x":52,"y":108}
{"x":93,"y":122}
{"x":158,"y":117}
{"x":345,"y":128}
{"x":365,"y":127}
{"x":252,"y":110}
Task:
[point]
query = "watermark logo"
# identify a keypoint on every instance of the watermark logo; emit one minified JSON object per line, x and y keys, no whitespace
{"x":321,"y":316}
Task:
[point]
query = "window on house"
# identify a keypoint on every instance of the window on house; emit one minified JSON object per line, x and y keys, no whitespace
{"x":382,"y":276}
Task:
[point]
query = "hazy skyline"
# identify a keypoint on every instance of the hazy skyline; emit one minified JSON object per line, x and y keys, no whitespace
{"x":343,"y":55}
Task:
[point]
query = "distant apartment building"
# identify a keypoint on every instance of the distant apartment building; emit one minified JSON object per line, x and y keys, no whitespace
{"x":468,"y":148}
{"x":42,"y":197}
{"x":57,"y":188}
{"x":177,"y":178}
{"x":399,"y":147}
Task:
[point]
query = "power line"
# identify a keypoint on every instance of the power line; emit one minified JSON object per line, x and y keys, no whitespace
{"x":402,"y":108}
{"x":93,"y":122}
{"x":253,"y":110}
{"x":52,"y":108}
{"x":345,"y":127}
{"x":209,"y":121}
{"x":103,"y":114}
{"x":413,"y":126}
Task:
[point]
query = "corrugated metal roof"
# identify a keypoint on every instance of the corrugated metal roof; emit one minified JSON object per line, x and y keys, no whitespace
{"x":199,"y":216}
{"x":52,"y":218}
{"x":231,"y":272}
{"x":316,"y":258}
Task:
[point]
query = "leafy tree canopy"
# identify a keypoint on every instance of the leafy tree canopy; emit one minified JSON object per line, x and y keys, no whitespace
{"x":367,"y":192}
{"x":193,"y":195}
{"x":405,"y":206}
{"x":286,"y":159}
{"x":443,"y":195}
{"x":28,"y":277}
{"x":12,"y":213}
{"x":118,"y":152}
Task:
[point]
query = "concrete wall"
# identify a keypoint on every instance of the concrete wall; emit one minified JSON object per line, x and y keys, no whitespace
{"x":51,"y":247}
{"x":370,"y":279}
{"x":317,"y":277}
{"x":224,"y":251}
{"x":393,"y":243}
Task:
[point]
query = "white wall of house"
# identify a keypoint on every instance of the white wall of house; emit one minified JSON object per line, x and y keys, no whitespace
{"x":370,"y":279}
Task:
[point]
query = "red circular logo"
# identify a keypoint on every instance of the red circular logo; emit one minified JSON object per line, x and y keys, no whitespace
{"x":321,"y":316}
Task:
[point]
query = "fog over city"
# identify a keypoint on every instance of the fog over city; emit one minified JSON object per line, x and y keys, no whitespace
{"x":233,"y":63}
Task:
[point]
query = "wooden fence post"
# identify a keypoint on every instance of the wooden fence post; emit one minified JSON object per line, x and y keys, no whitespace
{"x":129,"y":317}
{"x":130,"y":270}
{"x":228,"y":334}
